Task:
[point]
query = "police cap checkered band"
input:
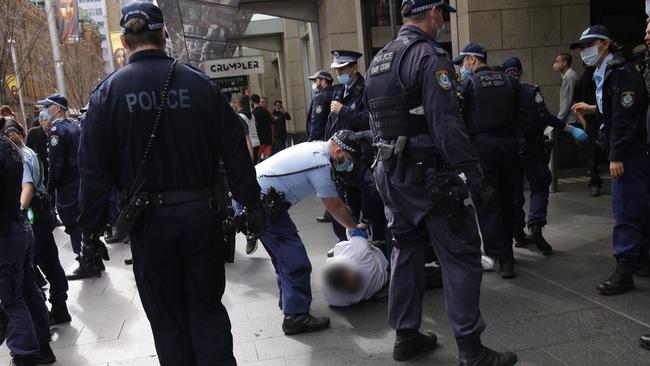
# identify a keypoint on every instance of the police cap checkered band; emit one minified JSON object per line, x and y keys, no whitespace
{"x":418,"y":6}
{"x":342,"y":144}
{"x":477,"y":54}
{"x":589,"y":35}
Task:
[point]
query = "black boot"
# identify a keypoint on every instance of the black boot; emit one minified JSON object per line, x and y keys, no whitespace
{"x":622,"y":280}
{"x":520,"y":238}
{"x":303,"y":323}
{"x":642,"y":265}
{"x":326,"y":217}
{"x":23,"y":361}
{"x":506,"y":268}
{"x":472,"y":353}
{"x":535,"y":237}
{"x":645,"y":341}
{"x":59,"y":313}
{"x":46,"y":355}
{"x":411,"y":342}
{"x":82,"y":272}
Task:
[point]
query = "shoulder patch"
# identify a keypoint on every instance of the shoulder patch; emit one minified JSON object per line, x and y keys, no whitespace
{"x":539,"y":98}
{"x":319,"y":109}
{"x":53,"y":128}
{"x":627,"y":99}
{"x":54,"y":140}
{"x":442,"y":76}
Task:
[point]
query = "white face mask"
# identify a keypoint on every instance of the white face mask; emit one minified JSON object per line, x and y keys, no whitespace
{"x":314,"y":86}
{"x":590,"y":55}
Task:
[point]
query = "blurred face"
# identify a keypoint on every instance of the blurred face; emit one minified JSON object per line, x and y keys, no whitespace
{"x":594,"y":52}
{"x":15,"y":138}
{"x":46,"y":125}
{"x":347,"y":70}
{"x":647,"y":36}
{"x":54,"y":110}
{"x":470,"y":63}
{"x":559,"y":64}
{"x":264,"y":103}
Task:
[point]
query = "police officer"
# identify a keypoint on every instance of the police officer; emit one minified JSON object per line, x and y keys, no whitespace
{"x":621,"y":103}
{"x":424,"y":152}
{"x":21,"y":298}
{"x":347,"y":110}
{"x":63,"y":179}
{"x":172,"y":208}
{"x":319,"y":109}
{"x":491,"y":109}
{"x":287,"y":178}
{"x":535,"y":162}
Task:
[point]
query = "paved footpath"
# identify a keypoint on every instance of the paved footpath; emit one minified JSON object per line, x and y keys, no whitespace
{"x":550,"y":314}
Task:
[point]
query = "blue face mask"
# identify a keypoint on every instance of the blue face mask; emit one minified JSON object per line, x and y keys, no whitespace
{"x":465,"y":73}
{"x":46,"y":114}
{"x":345,"y":167}
{"x":345,"y":79}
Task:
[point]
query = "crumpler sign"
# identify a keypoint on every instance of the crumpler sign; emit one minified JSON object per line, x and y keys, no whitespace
{"x":234,"y":67}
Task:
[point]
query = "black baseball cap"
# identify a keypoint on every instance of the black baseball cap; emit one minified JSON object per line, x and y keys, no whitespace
{"x":413,"y":7}
{"x":56,"y":99}
{"x":321,"y":74}
{"x":472,"y":49}
{"x":589,"y":35}
{"x":512,"y":64}
{"x":148,"y":12}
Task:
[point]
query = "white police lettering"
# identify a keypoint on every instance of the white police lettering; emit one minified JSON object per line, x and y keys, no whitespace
{"x":382,"y":63}
{"x":492,"y":80}
{"x":147,"y":101}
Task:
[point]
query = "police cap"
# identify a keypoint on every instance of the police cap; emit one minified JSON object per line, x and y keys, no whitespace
{"x":413,"y":7}
{"x":347,"y":140}
{"x":322,"y":74}
{"x":589,"y":35}
{"x":472,"y":49}
{"x":343,"y":58}
{"x":149,"y":13}
{"x":56,"y":99}
{"x":512,"y":64}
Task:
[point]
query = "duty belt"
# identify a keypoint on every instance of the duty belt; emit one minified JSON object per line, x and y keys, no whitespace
{"x":181,"y":196}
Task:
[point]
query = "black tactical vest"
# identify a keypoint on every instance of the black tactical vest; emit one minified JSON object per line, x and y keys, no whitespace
{"x":395,"y":109}
{"x":492,"y":105}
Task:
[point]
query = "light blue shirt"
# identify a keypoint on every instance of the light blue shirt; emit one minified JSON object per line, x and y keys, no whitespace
{"x":32,"y":169}
{"x":599,"y":79}
{"x":310,"y":163}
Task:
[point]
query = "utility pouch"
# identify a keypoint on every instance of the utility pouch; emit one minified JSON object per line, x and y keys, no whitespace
{"x":131,"y":214}
{"x":386,"y":154}
{"x":273,"y":203}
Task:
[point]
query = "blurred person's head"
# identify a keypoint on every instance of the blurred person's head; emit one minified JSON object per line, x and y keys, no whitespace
{"x":45,"y":123}
{"x":12,"y":130}
{"x":242,"y":104}
{"x":345,"y":64}
{"x":142,"y":27}
{"x":341,"y":277}
{"x":427,"y":16}
{"x":512,"y":66}
{"x":55,"y":106}
{"x":6,"y":111}
{"x":321,"y":79}
{"x":278,"y":105}
{"x":119,"y":58}
{"x":470,"y":58}
{"x":255,"y":99}
{"x":264,"y":103}
{"x":562,"y":62}
{"x":595,"y":44}
{"x":647,"y":34}
{"x":342,"y":148}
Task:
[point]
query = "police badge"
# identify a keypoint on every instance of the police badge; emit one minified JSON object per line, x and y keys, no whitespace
{"x":627,"y":99}
{"x":319,"y":109}
{"x":443,"y":79}
{"x":54,"y":140}
{"x":539,"y":98}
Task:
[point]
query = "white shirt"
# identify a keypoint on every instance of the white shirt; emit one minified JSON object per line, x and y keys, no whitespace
{"x":368,"y":261}
{"x":599,"y":79}
{"x":252,"y":130}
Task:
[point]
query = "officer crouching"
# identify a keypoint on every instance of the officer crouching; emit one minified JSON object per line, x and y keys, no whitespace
{"x":140,"y":135}
{"x":424,"y":151}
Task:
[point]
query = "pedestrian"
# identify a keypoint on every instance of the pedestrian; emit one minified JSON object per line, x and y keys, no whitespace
{"x":281,"y":116}
{"x":621,"y":103}
{"x":562,"y":65}
{"x":155,"y":107}
{"x":287,"y":178}
{"x":22,"y":300}
{"x":63,"y":183}
{"x":319,"y":108}
{"x":37,"y":141}
{"x":264,"y":124}
{"x":424,"y":158}
{"x":492,"y":112}
{"x":534,"y":162}
{"x":242,"y":108}
{"x":35,"y":199}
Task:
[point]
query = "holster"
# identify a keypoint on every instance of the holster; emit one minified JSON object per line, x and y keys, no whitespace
{"x":132,"y":210}
{"x":385,"y":154}
{"x":273,"y":203}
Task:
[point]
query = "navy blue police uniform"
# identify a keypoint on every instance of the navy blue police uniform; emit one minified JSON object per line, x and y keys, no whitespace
{"x":319,"y":109}
{"x":622,"y":103}
{"x":63,"y":178}
{"x":177,"y":257}
{"x":422,"y":143}
{"x":491,"y":105}
{"x":21,"y":298}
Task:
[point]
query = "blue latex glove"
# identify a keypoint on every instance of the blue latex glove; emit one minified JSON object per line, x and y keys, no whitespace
{"x":578,"y":134}
{"x":357,"y":232}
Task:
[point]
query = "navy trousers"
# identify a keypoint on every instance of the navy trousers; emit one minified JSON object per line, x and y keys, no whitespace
{"x":47,"y":258}
{"x":459,"y":255}
{"x":179,"y":271}
{"x":631,"y":206}
{"x":22,"y":299}
{"x":67,"y":205}
{"x":292,"y":266}
{"x":498,"y":159}
{"x":535,"y":169}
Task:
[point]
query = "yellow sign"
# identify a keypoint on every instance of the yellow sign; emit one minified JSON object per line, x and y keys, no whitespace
{"x":115,"y":41}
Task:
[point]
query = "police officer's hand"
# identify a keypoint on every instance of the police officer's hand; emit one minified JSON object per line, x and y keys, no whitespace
{"x":616,"y":169}
{"x":578,"y":134}
{"x":583,"y":108}
{"x":336,"y":106}
{"x":255,"y":221}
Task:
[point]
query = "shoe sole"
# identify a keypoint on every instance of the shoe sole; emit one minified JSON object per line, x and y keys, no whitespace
{"x":614,"y":293}
{"x":300,"y":331}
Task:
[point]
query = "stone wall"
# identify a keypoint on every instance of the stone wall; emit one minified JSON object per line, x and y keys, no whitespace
{"x":533,"y":30}
{"x":340,"y":27}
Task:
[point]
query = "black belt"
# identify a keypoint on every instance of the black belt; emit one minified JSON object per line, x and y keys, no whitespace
{"x":176,"y":197}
